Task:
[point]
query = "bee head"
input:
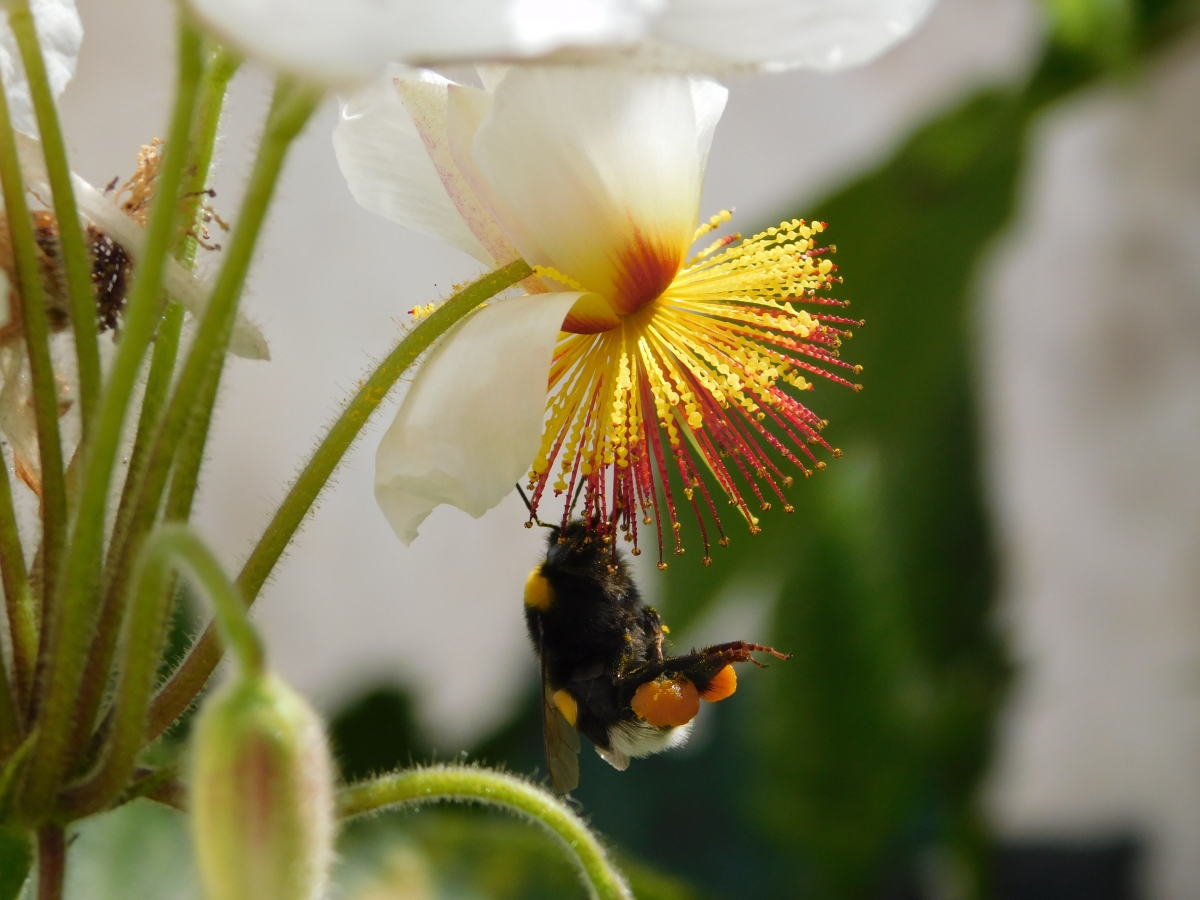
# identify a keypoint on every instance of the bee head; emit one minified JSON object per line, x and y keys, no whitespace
{"x":579,"y":545}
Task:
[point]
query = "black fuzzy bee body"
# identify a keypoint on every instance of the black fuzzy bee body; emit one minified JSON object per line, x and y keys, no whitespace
{"x":604,"y":673}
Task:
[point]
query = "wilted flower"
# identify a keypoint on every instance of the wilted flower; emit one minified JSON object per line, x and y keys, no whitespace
{"x":60,"y":34}
{"x":627,"y":353}
{"x":353,"y":39}
{"x":115,"y":231}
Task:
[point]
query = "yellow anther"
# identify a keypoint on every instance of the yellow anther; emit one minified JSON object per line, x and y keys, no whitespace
{"x":555,"y":275}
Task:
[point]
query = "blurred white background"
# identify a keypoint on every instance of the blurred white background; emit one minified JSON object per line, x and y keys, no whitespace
{"x":1091,"y":373}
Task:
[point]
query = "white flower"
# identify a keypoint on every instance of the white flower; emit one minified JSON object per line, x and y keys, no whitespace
{"x":60,"y":34}
{"x":627,"y":358}
{"x":352,"y":39}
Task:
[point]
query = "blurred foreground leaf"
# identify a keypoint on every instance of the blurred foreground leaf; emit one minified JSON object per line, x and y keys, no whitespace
{"x":446,"y":853}
{"x":16,"y":857}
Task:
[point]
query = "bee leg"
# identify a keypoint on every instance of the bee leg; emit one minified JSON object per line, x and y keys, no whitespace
{"x":740,"y":651}
{"x":654,"y":621}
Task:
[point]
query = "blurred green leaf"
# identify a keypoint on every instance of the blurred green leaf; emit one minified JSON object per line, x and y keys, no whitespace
{"x":16,"y":858}
{"x":1104,"y":29}
{"x":873,"y":739}
{"x":438,"y":853}
{"x":375,"y":733}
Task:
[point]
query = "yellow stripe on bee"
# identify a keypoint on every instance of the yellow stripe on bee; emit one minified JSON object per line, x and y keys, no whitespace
{"x":539,"y":593}
{"x":567,"y":705}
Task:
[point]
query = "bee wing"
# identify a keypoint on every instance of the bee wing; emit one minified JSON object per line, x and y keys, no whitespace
{"x":562,"y":741}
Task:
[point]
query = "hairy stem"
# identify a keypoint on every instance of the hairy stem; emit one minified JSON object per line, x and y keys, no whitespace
{"x":75,"y":599}
{"x":170,"y":549}
{"x":75,"y":256}
{"x":10,"y":724}
{"x":52,"y":858}
{"x":190,"y":677}
{"x":37,"y":341}
{"x":219,"y":68}
{"x":18,"y":596}
{"x":468,"y":784}
{"x":190,"y":455}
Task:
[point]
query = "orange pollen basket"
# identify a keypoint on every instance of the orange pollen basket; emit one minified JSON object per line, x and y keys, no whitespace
{"x":723,"y":685}
{"x":699,"y":377}
{"x":670,"y":702}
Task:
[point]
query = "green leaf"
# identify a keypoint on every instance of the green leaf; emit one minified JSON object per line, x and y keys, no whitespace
{"x":476,"y":853}
{"x":16,"y":859}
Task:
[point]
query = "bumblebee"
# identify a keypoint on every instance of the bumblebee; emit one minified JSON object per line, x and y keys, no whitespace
{"x":604,"y":672}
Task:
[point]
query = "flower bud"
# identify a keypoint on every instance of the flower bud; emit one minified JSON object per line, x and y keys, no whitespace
{"x":261,"y":794}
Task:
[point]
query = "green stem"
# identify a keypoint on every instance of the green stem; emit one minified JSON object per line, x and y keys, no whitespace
{"x":189,"y":678}
{"x":11,"y":770}
{"x":154,"y":400}
{"x":76,"y":258}
{"x":52,"y":859}
{"x":290,"y":110}
{"x":10,"y":723}
{"x":475,"y":785}
{"x":18,"y":595}
{"x":189,"y":457}
{"x":94,"y":682}
{"x":218,"y":71}
{"x":170,"y":549}
{"x":37,"y":341}
{"x":75,"y":600}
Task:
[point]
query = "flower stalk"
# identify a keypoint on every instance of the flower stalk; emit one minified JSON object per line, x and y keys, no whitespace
{"x":220,"y":67}
{"x":469,"y":784}
{"x":10,"y":726}
{"x":290,"y":110}
{"x":36,"y":329}
{"x":18,"y":596}
{"x":170,"y":549}
{"x":76,"y":259}
{"x":193,"y":673}
{"x":73,"y":603}
{"x":52,"y":859}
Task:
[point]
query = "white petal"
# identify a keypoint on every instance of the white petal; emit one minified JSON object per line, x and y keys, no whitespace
{"x":780,"y":34}
{"x":708,"y":98}
{"x":471,"y":423}
{"x":601,"y":168}
{"x":60,"y":33}
{"x":427,"y":102}
{"x":388,"y":166}
{"x":350,"y":40}
{"x":466,"y":110}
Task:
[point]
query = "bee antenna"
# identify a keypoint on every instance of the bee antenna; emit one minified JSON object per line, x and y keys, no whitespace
{"x":529,"y":506}
{"x":578,"y":491}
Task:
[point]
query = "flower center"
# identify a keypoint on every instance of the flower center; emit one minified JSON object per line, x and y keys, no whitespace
{"x":643,"y":271}
{"x":645,"y":268}
{"x":702,"y":374}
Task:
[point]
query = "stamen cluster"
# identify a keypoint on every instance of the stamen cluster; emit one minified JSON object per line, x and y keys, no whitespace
{"x":698,"y":376}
